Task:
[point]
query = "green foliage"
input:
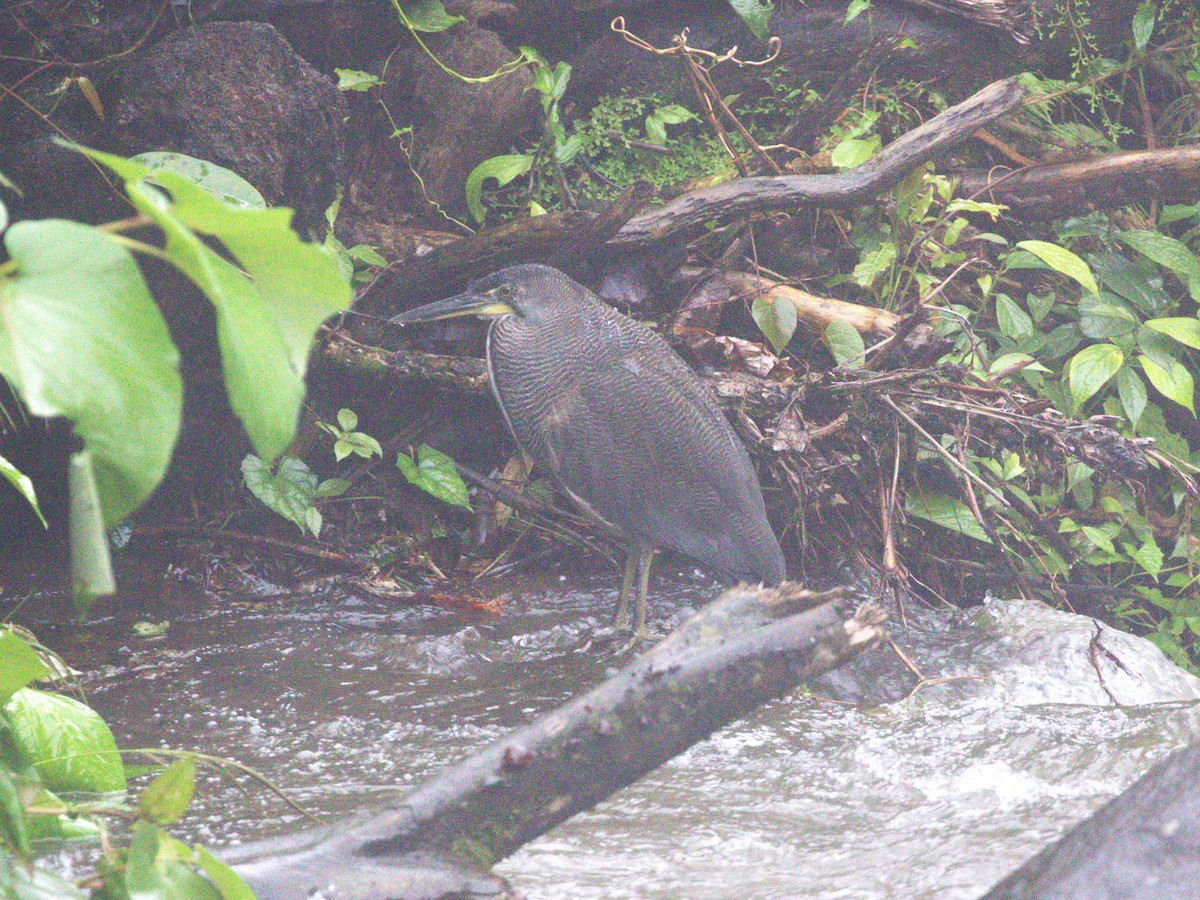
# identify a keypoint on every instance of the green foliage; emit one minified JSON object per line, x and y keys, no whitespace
{"x":845,"y":344}
{"x":24,"y":486}
{"x":756,"y":14}
{"x":228,"y":187}
{"x":429,"y":16}
{"x":357,"y":264}
{"x":947,"y":512}
{"x":91,"y":567}
{"x":671,"y":114}
{"x":292,"y":490}
{"x":776,"y":318}
{"x":354,"y":80}
{"x":622,"y":140}
{"x":1062,"y":260}
{"x":64,"y":741}
{"x":19,"y":665}
{"x":53,"y":747}
{"x":347,"y":440}
{"x":1094,"y":318}
{"x":268,"y":305}
{"x":557,"y":146}
{"x":434,"y":473}
{"x":503,"y":169}
{"x":80,"y":337}
{"x":168,"y":796}
{"x":856,"y":8}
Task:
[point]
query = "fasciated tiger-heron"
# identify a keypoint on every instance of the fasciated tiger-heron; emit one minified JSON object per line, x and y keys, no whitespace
{"x":605,"y":406}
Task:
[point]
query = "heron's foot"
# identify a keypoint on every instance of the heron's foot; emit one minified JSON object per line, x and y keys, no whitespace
{"x":620,"y":640}
{"x":609,"y":634}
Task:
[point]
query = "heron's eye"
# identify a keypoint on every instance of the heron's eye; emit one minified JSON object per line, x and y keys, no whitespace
{"x":504,"y":292}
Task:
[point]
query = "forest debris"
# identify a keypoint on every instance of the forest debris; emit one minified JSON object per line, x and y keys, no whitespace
{"x":815,"y":312}
{"x":751,"y":645}
{"x":736,"y":354}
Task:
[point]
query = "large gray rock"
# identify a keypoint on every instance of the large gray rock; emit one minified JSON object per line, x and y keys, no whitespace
{"x":457,"y":125}
{"x":236,"y":94}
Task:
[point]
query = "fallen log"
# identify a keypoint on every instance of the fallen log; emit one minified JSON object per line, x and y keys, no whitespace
{"x":749,"y":646}
{"x":1104,"y":182}
{"x":843,"y":190}
{"x":560,"y":236}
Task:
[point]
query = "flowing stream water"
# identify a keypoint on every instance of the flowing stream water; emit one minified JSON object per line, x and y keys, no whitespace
{"x":833,"y":793}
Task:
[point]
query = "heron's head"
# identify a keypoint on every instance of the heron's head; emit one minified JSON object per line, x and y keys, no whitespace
{"x":527,"y":291}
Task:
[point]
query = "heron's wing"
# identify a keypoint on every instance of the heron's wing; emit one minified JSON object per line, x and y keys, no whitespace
{"x":642,"y":444}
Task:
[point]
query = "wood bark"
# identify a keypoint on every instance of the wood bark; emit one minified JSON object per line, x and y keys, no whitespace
{"x":843,"y":190}
{"x":1104,"y":182}
{"x":815,"y":312}
{"x":749,"y":646}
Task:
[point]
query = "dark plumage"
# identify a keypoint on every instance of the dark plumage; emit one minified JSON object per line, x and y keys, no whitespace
{"x":625,"y":427}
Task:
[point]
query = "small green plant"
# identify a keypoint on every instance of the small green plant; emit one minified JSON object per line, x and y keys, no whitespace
{"x":347,"y":440}
{"x":556,"y":145}
{"x":357,"y":264}
{"x":434,"y":473}
{"x":291,"y":489}
{"x":61,"y":776}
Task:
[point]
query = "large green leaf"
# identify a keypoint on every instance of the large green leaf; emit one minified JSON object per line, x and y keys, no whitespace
{"x":776,"y":319}
{"x":845,"y":344}
{"x":434,"y":473}
{"x":430,"y":16}
{"x":756,"y":14}
{"x":1141,"y":284}
{"x":503,"y":168}
{"x":19,"y":665}
{"x":1062,"y":260}
{"x":168,"y":796}
{"x":80,"y":337}
{"x":158,"y":867}
{"x":1090,"y":370}
{"x":1173,"y":381}
{"x":268,"y":306}
{"x":24,"y":486}
{"x":228,"y":882}
{"x":946,"y":511}
{"x":1168,"y":252}
{"x":222,"y":183}
{"x":1133,"y":395}
{"x":1103,"y":321}
{"x":289,"y":492}
{"x":1013,"y":321}
{"x":67,"y":742}
{"x":1185,"y":329}
{"x":14,"y":825}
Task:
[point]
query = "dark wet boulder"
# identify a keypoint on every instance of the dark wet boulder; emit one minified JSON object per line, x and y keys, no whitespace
{"x":456,"y":125}
{"x":1142,"y":845}
{"x":236,"y":94}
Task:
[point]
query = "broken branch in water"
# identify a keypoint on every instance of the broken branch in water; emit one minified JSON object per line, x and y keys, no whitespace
{"x":751,"y":645}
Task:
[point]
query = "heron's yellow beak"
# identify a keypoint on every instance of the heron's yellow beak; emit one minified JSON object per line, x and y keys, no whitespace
{"x":468,"y":304}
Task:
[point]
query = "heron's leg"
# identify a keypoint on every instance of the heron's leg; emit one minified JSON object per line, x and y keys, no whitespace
{"x":644,"y":559}
{"x":620,"y":621}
